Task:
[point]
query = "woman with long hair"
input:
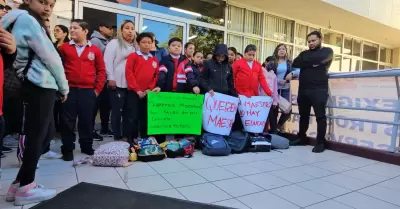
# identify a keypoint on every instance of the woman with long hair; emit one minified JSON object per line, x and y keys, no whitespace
{"x":281,"y":65}
{"x":61,"y":33}
{"x":42,"y":79}
{"x":115,"y":57}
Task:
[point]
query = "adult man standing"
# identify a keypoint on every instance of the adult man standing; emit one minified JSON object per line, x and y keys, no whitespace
{"x":313,"y":88}
{"x":100,"y":38}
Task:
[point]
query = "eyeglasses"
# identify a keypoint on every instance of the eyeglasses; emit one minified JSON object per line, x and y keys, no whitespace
{"x":6,"y":7}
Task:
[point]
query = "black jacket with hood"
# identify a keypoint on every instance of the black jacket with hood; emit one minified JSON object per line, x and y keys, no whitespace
{"x":218,"y":76}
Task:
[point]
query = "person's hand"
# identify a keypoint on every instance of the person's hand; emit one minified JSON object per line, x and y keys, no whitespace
{"x":211,"y":92}
{"x":282,"y":82}
{"x":289,"y":77}
{"x":157,"y":89}
{"x":147,"y":91}
{"x":63,"y":98}
{"x":141,"y":94}
{"x":97,"y":94}
{"x":112,"y":84}
{"x":7,"y":42}
{"x":196,"y":90}
{"x":315,"y":65}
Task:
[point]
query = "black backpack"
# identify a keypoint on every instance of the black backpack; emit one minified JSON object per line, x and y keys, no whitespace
{"x":12,"y":86}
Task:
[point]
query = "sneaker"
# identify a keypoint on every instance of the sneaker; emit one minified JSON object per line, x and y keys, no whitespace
{"x":6,"y":149}
{"x":97,"y":137}
{"x":10,"y":141}
{"x":320,"y":147}
{"x":106,"y":133}
{"x":33,"y":193}
{"x":68,"y":156}
{"x":10,"y":196}
{"x":50,"y":155}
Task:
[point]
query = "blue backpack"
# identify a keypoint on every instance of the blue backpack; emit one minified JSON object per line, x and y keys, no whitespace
{"x":238,"y":141}
{"x":215,"y":145}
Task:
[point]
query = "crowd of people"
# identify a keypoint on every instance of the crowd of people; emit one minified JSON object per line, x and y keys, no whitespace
{"x":67,"y":82}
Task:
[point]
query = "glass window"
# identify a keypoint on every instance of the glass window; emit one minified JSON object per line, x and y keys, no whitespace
{"x":333,"y":40}
{"x":132,"y":3}
{"x":346,"y":64}
{"x":336,"y":64}
{"x":300,"y":37}
{"x":253,"y":22}
{"x":297,"y":51}
{"x":311,"y":29}
{"x":248,"y":41}
{"x":236,"y":41}
{"x":163,"y":31}
{"x":356,"y":48}
{"x":235,"y":18}
{"x":204,"y":11}
{"x":370,"y":51}
{"x":381,"y":67}
{"x":366,"y":65}
{"x":386,"y":55}
{"x":269,"y":47}
{"x":348,"y":46}
{"x":205,"y":39}
{"x":278,"y":29}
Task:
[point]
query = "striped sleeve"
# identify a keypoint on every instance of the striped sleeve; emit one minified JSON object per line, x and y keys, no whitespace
{"x":163,"y":69}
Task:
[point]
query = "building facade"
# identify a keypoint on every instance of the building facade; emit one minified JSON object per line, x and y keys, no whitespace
{"x":359,"y":42}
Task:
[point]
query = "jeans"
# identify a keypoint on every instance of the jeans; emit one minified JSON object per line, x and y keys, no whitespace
{"x":317,"y":99}
{"x":285,"y":93}
{"x":118,"y":107}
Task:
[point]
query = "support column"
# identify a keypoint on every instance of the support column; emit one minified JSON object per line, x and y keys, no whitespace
{"x":396,"y":58}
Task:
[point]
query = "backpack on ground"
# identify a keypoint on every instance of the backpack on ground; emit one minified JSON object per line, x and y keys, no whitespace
{"x":238,"y":141}
{"x":113,"y":154}
{"x":178,"y":148}
{"x":215,"y":145}
{"x":259,"y":144}
{"x":148,"y":149}
{"x":279,"y":142}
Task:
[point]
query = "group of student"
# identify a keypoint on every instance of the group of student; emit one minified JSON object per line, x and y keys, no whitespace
{"x":73,"y":74}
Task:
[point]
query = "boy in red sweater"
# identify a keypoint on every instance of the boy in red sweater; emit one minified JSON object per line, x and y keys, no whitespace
{"x":85,"y":70}
{"x":248,"y":74}
{"x":141,"y":75}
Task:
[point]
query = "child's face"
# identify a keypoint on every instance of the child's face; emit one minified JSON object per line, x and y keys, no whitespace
{"x":145,"y":45}
{"x":175,"y":48}
{"x":250,"y":56}
{"x":231,"y":56}
{"x":238,"y":57}
{"x":198,"y":58}
{"x":77,"y":32}
{"x":190,"y":50}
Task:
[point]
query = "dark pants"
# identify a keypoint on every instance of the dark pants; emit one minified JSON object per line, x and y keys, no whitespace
{"x":118,"y":106}
{"x":136,"y":116}
{"x":273,"y":120}
{"x":39,"y":127}
{"x":317,"y":99}
{"x":80,"y":104}
{"x":57,"y":115}
{"x":285,"y":93}
{"x":12,"y":113}
{"x":2,"y":127}
{"x":103,"y":104}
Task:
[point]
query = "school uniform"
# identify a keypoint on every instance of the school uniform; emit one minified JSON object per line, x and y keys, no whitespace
{"x":248,"y":76}
{"x":141,"y":75}
{"x":85,"y":72}
{"x":171,"y":77}
{"x":192,"y":76}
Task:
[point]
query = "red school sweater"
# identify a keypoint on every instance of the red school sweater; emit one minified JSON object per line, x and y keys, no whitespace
{"x":85,"y":71}
{"x":141,"y":74}
{"x":246,"y":79}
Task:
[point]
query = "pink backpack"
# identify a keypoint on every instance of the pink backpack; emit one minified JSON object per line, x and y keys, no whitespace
{"x":113,"y":154}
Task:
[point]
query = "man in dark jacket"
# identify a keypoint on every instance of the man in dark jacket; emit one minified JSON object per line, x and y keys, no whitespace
{"x":313,"y":88}
{"x":217,"y":75}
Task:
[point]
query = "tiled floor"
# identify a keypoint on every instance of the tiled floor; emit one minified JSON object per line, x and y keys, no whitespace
{"x":291,"y":179}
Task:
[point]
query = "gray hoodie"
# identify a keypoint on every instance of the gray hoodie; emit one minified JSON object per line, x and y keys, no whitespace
{"x":99,"y":40}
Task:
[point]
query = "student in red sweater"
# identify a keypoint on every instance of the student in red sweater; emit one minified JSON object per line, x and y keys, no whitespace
{"x":248,"y":74}
{"x":141,"y":75}
{"x":85,"y":70}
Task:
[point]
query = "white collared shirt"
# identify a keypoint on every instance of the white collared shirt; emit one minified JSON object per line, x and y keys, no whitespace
{"x":80,"y":49}
{"x":145,"y":56}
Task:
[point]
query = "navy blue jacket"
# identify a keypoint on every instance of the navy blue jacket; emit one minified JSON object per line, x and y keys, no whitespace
{"x":166,"y":73}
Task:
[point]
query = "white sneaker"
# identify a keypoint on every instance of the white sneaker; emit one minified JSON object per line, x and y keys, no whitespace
{"x":50,"y":155}
{"x":10,"y":196}
{"x":33,"y":193}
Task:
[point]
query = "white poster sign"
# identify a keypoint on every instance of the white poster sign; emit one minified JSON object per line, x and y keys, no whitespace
{"x":254,"y":112}
{"x":219,"y":113}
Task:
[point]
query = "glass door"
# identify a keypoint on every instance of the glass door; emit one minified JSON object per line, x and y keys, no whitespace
{"x":96,"y":15}
{"x":163,"y":29}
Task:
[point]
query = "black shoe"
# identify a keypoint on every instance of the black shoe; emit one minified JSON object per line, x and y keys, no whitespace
{"x":2,"y":155}
{"x":106,"y":133}
{"x":6,"y":149}
{"x":68,"y":156}
{"x":88,"y":151}
{"x":320,"y":147}
{"x":97,"y":137}
{"x":298,"y":142}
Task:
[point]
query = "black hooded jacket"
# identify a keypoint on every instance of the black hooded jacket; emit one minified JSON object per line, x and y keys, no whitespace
{"x":218,"y":76}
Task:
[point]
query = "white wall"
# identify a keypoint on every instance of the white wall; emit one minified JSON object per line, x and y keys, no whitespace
{"x":383,"y":11}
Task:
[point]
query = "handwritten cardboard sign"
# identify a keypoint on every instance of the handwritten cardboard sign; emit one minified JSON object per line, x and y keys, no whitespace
{"x":254,"y":112}
{"x":174,"y":113}
{"x":219,"y":113}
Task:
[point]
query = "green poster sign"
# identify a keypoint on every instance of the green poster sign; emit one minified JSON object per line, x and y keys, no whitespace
{"x":174,"y":113}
